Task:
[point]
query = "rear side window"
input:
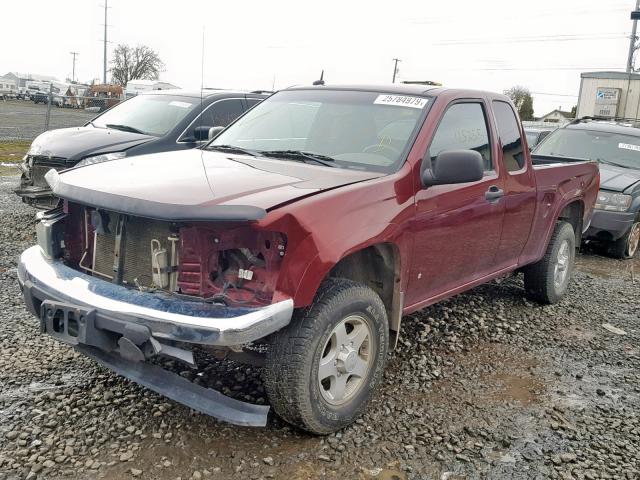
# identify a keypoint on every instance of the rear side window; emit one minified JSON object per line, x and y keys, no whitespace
{"x":463,"y":127}
{"x":512,"y":151}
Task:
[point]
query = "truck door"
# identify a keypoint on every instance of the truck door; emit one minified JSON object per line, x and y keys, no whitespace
{"x":457,"y":227}
{"x":520,"y":189}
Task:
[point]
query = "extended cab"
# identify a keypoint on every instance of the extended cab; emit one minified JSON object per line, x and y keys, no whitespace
{"x":310,"y":226}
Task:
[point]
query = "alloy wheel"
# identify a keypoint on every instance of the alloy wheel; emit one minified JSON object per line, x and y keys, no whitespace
{"x":346,"y":360}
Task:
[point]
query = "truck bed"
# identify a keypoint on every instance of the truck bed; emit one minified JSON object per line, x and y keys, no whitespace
{"x":550,"y":160}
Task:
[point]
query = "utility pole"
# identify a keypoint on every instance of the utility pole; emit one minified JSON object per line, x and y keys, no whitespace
{"x":632,"y":43}
{"x":73,"y":75}
{"x":104,"y":64}
{"x":395,"y":67}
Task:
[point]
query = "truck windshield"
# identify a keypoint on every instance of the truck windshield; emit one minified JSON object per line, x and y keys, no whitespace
{"x":347,"y":129}
{"x":613,"y":148}
{"x":150,"y":114}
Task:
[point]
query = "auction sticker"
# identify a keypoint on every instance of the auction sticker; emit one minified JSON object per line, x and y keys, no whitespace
{"x":401,"y":101}
{"x":629,"y":146}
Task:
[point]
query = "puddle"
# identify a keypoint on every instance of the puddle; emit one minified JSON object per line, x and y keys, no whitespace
{"x":605,"y":267}
{"x":511,"y":388}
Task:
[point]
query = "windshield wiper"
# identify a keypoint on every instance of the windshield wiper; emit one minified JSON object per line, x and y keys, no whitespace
{"x":124,"y":128}
{"x":232,"y":149}
{"x":301,"y":156}
{"x":611,"y":163}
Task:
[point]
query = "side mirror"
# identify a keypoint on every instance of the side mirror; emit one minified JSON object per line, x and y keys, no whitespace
{"x":455,"y":166}
{"x":215,"y":131}
{"x":201,"y":133}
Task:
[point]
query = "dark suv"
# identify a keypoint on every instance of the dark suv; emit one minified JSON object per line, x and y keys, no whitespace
{"x":615,"y":145}
{"x":157,"y":121}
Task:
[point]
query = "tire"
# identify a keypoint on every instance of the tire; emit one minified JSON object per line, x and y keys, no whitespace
{"x":546,"y":281}
{"x":293,"y":366}
{"x":626,"y":246}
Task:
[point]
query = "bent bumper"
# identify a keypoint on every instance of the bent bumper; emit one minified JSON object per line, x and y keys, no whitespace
{"x":121,"y":328}
{"x":606,"y":225}
{"x":166,"y":317}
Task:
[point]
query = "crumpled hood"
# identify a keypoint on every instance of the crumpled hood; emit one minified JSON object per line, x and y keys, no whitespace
{"x":617,"y":179}
{"x":78,"y":142}
{"x":197,"y":185}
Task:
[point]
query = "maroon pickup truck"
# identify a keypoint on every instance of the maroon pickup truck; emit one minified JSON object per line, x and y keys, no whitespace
{"x":298,"y":238}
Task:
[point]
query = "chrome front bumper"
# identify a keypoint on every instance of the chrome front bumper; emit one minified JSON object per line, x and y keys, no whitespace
{"x":166,"y":317}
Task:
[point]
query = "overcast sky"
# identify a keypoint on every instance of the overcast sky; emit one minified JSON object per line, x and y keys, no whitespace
{"x":490,"y":44}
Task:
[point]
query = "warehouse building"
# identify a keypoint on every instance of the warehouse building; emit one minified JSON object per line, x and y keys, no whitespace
{"x":609,"y":95}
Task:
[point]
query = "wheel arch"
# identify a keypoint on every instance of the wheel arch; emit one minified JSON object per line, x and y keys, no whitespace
{"x":377,"y":266}
{"x":573,"y":213}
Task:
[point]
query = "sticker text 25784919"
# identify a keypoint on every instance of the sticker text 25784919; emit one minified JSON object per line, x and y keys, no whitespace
{"x":401,"y":101}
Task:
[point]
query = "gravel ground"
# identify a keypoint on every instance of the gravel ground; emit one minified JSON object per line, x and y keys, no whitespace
{"x":25,"y":120}
{"x":486,"y":385}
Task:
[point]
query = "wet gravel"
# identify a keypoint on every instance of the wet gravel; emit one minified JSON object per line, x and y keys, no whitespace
{"x":485,"y":385}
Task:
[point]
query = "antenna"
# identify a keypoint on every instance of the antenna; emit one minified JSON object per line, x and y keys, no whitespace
{"x":201,"y":78}
{"x":321,"y":81}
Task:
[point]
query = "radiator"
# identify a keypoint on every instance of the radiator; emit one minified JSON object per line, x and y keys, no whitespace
{"x":137,"y":248}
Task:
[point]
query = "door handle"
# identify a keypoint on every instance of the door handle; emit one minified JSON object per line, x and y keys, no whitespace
{"x":494,"y":193}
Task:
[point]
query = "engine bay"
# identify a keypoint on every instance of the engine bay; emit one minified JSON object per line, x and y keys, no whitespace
{"x":227,"y":263}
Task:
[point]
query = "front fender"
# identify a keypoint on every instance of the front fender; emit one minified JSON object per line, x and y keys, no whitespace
{"x":328,"y":256}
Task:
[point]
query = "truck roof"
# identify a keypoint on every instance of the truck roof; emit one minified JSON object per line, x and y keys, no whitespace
{"x":206,"y":92}
{"x":404,"y":89}
{"x":623,"y":127}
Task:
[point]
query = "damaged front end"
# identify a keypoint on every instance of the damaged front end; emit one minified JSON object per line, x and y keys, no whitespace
{"x":125,"y":289}
{"x":34,"y":189}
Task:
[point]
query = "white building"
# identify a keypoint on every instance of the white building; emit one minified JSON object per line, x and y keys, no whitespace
{"x":8,"y":87}
{"x":22,"y":78}
{"x":609,"y":95}
{"x":135,"y":87}
{"x":556,"y":116}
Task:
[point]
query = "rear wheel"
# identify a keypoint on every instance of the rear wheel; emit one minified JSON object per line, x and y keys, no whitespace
{"x":321,"y":370}
{"x":627,"y":246}
{"x":547,"y":280}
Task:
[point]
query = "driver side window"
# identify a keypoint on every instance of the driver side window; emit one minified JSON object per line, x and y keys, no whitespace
{"x":463,"y":127}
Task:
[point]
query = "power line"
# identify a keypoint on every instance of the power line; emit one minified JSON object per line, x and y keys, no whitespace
{"x":544,"y":68}
{"x":535,"y":38}
{"x":539,"y":14}
{"x":554,"y":94}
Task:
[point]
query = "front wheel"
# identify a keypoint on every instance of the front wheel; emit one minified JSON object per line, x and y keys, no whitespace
{"x":322,"y":369}
{"x":626,"y":246}
{"x":547,"y":280}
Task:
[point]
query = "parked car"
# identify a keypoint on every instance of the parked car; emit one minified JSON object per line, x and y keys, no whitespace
{"x":156,"y":121}
{"x":309,"y":227}
{"x":40,"y":97}
{"x":536,"y":134}
{"x":615,"y":145}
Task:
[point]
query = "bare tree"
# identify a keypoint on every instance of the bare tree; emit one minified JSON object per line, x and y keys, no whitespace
{"x":135,"y":63}
{"x":522,"y":99}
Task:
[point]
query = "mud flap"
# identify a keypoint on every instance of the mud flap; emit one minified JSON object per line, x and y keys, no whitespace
{"x":181,"y":390}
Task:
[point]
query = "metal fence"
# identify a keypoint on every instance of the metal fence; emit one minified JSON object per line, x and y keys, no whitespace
{"x":25,"y":119}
